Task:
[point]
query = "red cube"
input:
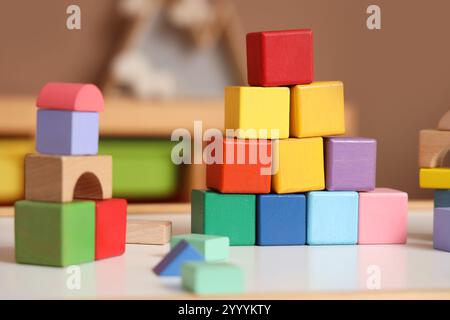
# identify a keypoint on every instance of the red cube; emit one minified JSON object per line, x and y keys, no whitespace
{"x":110,"y":228}
{"x":280,"y":58}
{"x":245,"y":168}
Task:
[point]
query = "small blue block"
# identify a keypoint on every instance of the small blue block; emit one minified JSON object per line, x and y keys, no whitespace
{"x":67,"y":132}
{"x":170,"y":265}
{"x":332,"y":217}
{"x":280,"y":219}
{"x":442,"y":198}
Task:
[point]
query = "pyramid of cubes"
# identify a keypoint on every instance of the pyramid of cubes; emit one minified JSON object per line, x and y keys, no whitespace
{"x":68,"y":216}
{"x":286,"y":175}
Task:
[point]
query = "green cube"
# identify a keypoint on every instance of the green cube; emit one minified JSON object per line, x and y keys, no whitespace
{"x":229,"y":215}
{"x":213,"y":248}
{"x":212,"y":278}
{"x":55,"y":234}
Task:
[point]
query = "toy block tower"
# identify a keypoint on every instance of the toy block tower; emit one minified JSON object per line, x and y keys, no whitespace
{"x":68,"y":215}
{"x":285,"y":175}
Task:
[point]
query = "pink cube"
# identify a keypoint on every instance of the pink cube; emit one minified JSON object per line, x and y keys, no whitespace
{"x":383,"y":215}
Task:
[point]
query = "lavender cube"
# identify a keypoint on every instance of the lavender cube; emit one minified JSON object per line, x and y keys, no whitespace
{"x":350,"y":163}
{"x":441,"y":229}
{"x":67,"y":132}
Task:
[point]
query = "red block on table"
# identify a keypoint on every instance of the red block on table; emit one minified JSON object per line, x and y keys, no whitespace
{"x":280,"y":58}
{"x":110,"y":228}
{"x":244,"y":172}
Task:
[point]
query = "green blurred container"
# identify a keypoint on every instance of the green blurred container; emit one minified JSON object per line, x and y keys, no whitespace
{"x":142,"y":168}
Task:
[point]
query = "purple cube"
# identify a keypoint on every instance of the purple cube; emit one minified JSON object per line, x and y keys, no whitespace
{"x":67,"y":132}
{"x":441,"y":229}
{"x":350,"y":163}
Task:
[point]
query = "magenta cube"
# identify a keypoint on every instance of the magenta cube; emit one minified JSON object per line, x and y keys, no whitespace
{"x":441,"y":229}
{"x":350,"y":163}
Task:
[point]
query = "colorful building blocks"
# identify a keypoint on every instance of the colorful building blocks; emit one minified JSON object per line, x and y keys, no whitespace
{"x":434,"y":178}
{"x":171,"y":264}
{"x":212,"y":248}
{"x":298,"y":165}
{"x":280,"y":58}
{"x":255,"y":112}
{"x":383,"y":217}
{"x":229,"y":215}
{"x":148,"y":232}
{"x":245,"y":167}
{"x":317,"y":109}
{"x":280,"y":219}
{"x":350,"y":163}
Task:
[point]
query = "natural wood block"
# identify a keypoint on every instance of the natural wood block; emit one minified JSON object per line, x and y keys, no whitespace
{"x":433,"y":146}
{"x":148,"y":232}
{"x":444,"y":123}
{"x":63,"y":178}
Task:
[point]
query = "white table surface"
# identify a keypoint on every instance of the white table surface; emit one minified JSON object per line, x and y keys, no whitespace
{"x":269,"y":270}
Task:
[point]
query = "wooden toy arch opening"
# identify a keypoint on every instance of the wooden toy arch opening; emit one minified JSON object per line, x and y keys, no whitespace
{"x":88,"y":186}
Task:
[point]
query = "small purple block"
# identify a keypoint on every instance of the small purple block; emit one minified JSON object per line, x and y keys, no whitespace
{"x":67,"y":132}
{"x":350,"y":163}
{"x":441,"y":229}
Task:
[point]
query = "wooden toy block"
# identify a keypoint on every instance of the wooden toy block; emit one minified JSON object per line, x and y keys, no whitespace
{"x":228,"y":215}
{"x":350,"y":163}
{"x":434,"y":178}
{"x":444,"y":122}
{"x":383,"y":217}
{"x":148,"y":232}
{"x":442,"y":198}
{"x":212,"y":278}
{"x":280,"y":58}
{"x":332,"y":217}
{"x":54,"y":234}
{"x":433,"y":146}
{"x":280,"y":219}
{"x":63,"y":178}
{"x":71,"y":96}
{"x":255,"y":112}
{"x":67,"y":132}
{"x":171,"y":264}
{"x":212,"y":248}
{"x":110,"y":228}
{"x":242,"y":168}
{"x":441,"y":227}
{"x":317,"y":109}
{"x":299,"y":165}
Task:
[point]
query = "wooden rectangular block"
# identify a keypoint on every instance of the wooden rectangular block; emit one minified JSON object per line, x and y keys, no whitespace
{"x":442,"y":198}
{"x":441,"y":227}
{"x":280,"y":219}
{"x":280,"y":58}
{"x":148,"y":232}
{"x":257,"y":111}
{"x":181,"y":253}
{"x":383,"y":217}
{"x":434,"y":178}
{"x":110,"y":227}
{"x":212,"y":278}
{"x":213,"y":248}
{"x":332,"y":217}
{"x":299,"y":165}
{"x":317,"y":109}
{"x":63,"y":178}
{"x":433,"y":146}
{"x":229,"y":215}
{"x":54,"y":234}
{"x":245,"y":167}
{"x":350,"y":163}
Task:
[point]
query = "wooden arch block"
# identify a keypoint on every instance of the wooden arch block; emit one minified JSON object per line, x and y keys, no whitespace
{"x":444,"y":123}
{"x":63,"y":178}
{"x":433,"y":146}
{"x":71,"y":96}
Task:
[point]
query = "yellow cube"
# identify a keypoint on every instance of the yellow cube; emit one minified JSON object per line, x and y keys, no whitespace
{"x":317,"y":109}
{"x":255,"y":112}
{"x":298,"y":165}
{"x":435,"y":178}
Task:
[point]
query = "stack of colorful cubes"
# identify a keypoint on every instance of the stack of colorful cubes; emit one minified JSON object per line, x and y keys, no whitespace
{"x":322,"y":187}
{"x":52,"y":227}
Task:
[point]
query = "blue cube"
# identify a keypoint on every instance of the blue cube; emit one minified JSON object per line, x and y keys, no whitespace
{"x":67,"y":132}
{"x":280,"y":219}
{"x":332,"y":217}
{"x":442,"y":198}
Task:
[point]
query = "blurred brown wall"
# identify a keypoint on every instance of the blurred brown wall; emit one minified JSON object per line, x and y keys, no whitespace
{"x":397,"y":78}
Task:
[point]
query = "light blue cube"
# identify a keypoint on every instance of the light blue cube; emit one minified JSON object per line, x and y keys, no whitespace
{"x":67,"y":132}
{"x":332,"y":217}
